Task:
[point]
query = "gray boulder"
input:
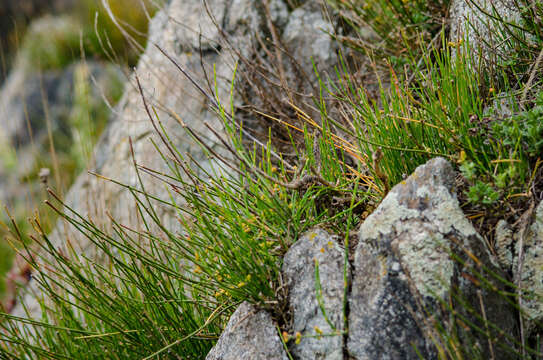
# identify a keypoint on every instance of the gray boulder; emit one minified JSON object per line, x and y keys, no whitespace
{"x":530,"y":278}
{"x":29,"y":97}
{"x":178,"y":29}
{"x":170,"y":92}
{"x":306,"y":35}
{"x":249,"y":335}
{"x":308,"y":319}
{"x":475,"y":21}
{"x":415,"y":253}
{"x":31,"y":104}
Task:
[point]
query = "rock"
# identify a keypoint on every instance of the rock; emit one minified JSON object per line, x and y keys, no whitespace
{"x":403,"y":270}
{"x":249,"y":335}
{"x":251,"y":17}
{"x":29,"y":100}
{"x":175,"y":30}
{"x":28,"y":97}
{"x":299,"y":268}
{"x":531,"y":279}
{"x":504,"y":244}
{"x":304,"y":37}
{"x":307,"y":38}
{"x":196,"y":22}
{"x":507,"y":247}
{"x":470,"y":20}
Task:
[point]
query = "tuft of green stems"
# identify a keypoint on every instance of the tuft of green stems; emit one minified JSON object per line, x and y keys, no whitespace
{"x":161,"y":292}
{"x":158,"y":291}
{"x":441,"y":111}
{"x":398,"y":26}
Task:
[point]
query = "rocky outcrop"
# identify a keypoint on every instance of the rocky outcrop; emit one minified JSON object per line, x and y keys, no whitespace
{"x":531,"y":274}
{"x":173,"y":30}
{"x":183,"y":30}
{"x":415,"y":252}
{"x":28,"y":97}
{"x":405,"y":243}
{"x":417,"y":265}
{"x":415,"y":269}
{"x":525,"y":246}
{"x":34,"y":105}
{"x":249,"y":335}
{"x":313,"y":271}
{"x":306,"y":37}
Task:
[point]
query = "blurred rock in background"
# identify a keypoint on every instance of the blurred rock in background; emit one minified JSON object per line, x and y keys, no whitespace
{"x":15,"y":16}
{"x":59,"y":84}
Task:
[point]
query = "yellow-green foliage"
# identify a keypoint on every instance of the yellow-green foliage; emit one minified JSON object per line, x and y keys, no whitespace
{"x":51,"y":42}
{"x":54,"y":42}
{"x":106,"y":37}
{"x":89,"y":114}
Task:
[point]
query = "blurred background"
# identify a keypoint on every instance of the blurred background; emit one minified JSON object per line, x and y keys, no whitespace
{"x":63,"y":65}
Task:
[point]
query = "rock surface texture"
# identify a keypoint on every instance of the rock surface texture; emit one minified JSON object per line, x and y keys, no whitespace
{"x":415,"y":253}
{"x":404,"y":268}
{"x":418,"y":257}
{"x":250,"y":335}
{"x":174,"y":30}
{"x":528,"y":275}
{"x":33,"y":103}
{"x":473,"y":21}
{"x":316,"y":250}
{"x":531,"y":270}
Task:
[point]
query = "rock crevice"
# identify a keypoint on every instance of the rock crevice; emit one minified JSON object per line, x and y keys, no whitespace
{"x":414,"y":268}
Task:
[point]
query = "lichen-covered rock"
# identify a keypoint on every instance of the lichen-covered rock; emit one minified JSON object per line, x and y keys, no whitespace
{"x":531,"y":279}
{"x":507,"y":247}
{"x":299,"y":270}
{"x":249,"y":335}
{"x":504,"y":244}
{"x":475,"y":22}
{"x":403,"y":268}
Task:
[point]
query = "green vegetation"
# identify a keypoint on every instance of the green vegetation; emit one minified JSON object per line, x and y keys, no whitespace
{"x":51,"y":42}
{"x":161,"y":293}
{"x":234,"y":231}
{"x":397,"y":25}
{"x":72,"y":146}
{"x":90,"y":31}
{"x":57,"y":43}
